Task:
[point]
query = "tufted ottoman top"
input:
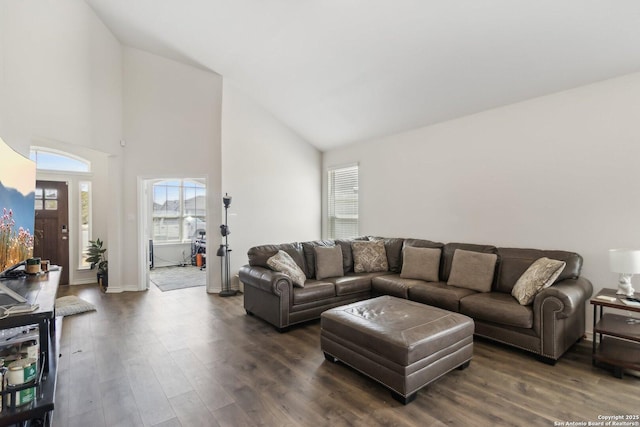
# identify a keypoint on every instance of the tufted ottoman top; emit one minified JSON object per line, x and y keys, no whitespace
{"x":399,"y":330}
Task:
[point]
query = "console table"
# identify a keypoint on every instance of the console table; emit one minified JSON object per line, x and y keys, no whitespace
{"x":39,"y":290}
{"x":619,"y":335}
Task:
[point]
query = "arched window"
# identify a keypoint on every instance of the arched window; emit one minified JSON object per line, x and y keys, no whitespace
{"x":51,"y":160}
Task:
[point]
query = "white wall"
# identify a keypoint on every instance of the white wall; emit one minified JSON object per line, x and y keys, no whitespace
{"x":171,"y":129}
{"x":556,"y":172}
{"x":272,"y":174}
{"x":61,"y":87}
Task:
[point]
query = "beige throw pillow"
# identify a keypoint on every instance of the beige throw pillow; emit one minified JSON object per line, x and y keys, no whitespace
{"x":472,"y":270}
{"x":420,"y":263}
{"x":283,"y":263}
{"x":369,"y":257}
{"x":328,"y":261}
{"x":541,"y":274}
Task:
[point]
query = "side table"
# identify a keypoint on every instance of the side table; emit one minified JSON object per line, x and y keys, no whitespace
{"x":616,"y":337}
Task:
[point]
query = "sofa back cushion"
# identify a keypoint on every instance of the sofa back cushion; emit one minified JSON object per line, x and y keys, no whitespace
{"x":420,"y":243}
{"x":258,"y":255}
{"x":514,"y":262}
{"x":449,"y":250}
{"x":393,"y":247}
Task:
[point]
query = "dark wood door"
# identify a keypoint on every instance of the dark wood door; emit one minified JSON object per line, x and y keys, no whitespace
{"x":51,"y":225}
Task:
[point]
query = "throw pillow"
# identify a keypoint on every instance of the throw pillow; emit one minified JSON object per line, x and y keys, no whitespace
{"x":369,"y":257}
{"x":328,"y":261}
{"x":420,"y":263}
{"x":541,"y":274}
{"x":283,"y":263}
{"x":472,"y":270}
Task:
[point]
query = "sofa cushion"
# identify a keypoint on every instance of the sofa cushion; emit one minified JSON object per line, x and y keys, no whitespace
{"x":347,"y":253}
{"x":420,"y":263}
{"x":369,"y":257}
{"x":283,"y":263}
{"x":393,"y":248}
{"x":353,"y":283}
{"x":449,"y":250}
{"x":439,"y":294}
{"x":472,"y":270}
{"x":328,"y":262}
{"x":393,"y":285}
{"x":310,"y":255}
{"x":541,"y":274}
{"x":314,"y":290}
{"x":421,"y":243}
{"x":497,"y":307}
{"x":259,"y":255}
{"x":515,"y":261}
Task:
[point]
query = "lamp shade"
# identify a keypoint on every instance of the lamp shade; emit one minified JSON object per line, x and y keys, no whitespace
{"x":625,"y":261}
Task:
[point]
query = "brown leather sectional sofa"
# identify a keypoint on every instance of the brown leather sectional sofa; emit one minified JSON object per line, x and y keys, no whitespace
{"x":548,"y":327}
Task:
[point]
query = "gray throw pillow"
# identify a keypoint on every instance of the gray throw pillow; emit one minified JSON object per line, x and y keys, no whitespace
{"x":472,"y":270}
{"x":420,"y":263}
{"x":283,"y":263}
{"x":369,"y":257}
{"x":541,"y":274}
{"x":328,"y":261}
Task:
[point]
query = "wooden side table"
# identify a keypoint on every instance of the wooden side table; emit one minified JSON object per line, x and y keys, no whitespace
{"x":616,"y":338}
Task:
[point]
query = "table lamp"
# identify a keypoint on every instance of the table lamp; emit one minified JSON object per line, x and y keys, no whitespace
{"x":626,"y":262}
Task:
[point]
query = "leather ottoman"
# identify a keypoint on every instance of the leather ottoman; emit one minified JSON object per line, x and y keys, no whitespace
{"x":402,"y":344}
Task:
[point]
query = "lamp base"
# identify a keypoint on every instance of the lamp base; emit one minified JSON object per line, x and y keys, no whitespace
{"x":624,"y":290}
{"x":624,"y":285}
{"x":228,"y":293}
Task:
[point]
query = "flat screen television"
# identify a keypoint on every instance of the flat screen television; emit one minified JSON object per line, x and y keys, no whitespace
{"x":17,"y":212}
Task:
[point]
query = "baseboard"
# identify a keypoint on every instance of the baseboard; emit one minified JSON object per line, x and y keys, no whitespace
{"x":589,"y":336}
{"x":83,"y":282}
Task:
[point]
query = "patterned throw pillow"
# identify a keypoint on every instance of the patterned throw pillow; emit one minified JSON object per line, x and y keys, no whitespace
{"x":369,"y":257}
{"x":283,"y":263}
{"x":541,"y":274}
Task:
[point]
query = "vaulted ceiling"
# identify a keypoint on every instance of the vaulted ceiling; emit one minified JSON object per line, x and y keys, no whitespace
{"x":340,"y":71}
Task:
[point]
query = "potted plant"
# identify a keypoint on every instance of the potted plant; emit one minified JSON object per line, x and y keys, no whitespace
{"x":96,"y":255}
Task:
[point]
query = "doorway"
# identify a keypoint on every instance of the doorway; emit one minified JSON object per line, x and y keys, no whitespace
{"x":51,"y":229}
{"x":173,"y":213}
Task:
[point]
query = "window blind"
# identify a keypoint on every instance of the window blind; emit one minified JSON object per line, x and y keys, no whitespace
{"x":343,"y":202}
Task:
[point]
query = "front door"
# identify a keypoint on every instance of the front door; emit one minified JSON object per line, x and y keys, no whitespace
{"x":52,"y":226}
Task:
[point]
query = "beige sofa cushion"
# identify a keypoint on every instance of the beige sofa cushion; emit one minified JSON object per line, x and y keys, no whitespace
{"x":283,"y":263}
{"x":541,"y":274}
{"x":369,"y":257}
{"x":472,"y":270}
{"x":420,"y":263}
{"x":328,"y":262}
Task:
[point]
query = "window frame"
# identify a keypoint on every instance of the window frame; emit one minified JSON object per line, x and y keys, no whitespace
{"x":182,"y":214}
{"x":344,"y":230}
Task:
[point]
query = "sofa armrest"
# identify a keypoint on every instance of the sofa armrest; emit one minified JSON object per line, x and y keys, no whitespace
{"x":265,"y":279}
{"x":565,"y":298}
{"x":559,"y":316}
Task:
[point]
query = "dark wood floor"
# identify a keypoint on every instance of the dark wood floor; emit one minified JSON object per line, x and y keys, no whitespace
{"x":185,"y":358}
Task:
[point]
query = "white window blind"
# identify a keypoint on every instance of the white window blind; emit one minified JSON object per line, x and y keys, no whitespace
{"x":343,"y":202}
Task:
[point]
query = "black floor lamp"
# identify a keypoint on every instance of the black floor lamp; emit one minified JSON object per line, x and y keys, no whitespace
{"x":224,"y":252}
